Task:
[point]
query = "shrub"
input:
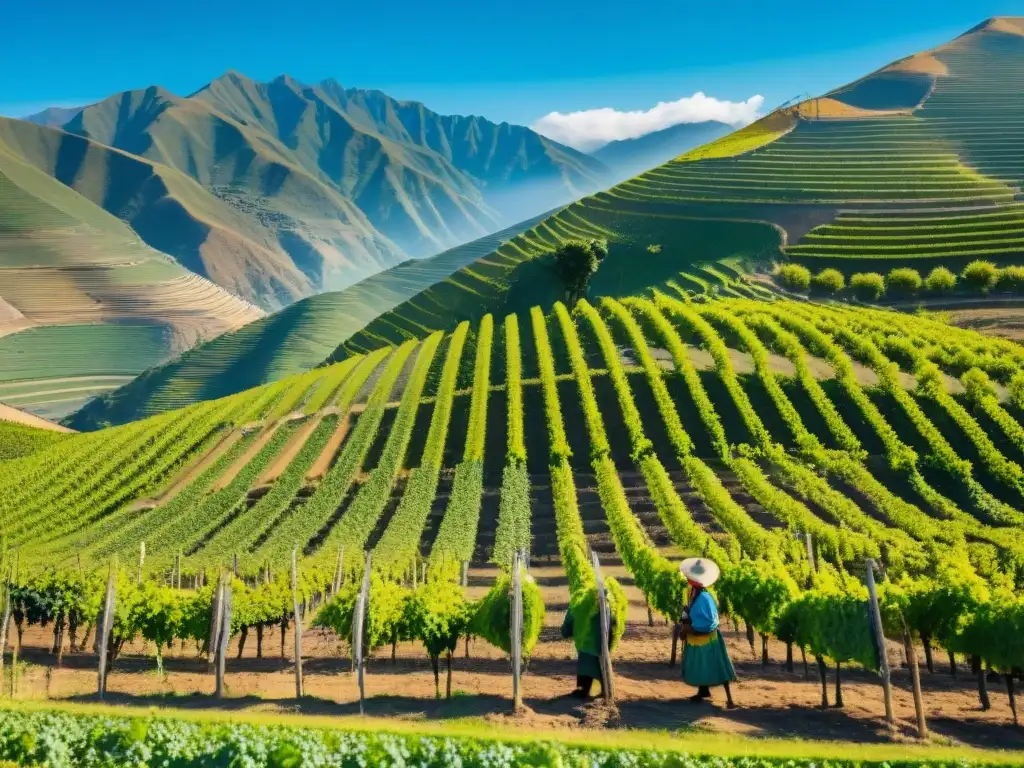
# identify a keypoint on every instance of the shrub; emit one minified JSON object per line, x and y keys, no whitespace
{"x":903,"y":281}
{"x":867,"y":285}
{"x":980,"y":275}
{"x":654,"y":248}
{"x":795,"y":276}
{"x":1010,"y":279}
{"x":829,"y":281}
{"x":940,"y":280}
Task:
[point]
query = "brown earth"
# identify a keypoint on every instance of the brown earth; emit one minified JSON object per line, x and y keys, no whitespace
{"x":650,"y":694}
{"x":7,"y":413}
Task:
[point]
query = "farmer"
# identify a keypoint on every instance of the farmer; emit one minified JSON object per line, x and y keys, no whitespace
{"x":588,"y":663}
{"x":705,"y":660}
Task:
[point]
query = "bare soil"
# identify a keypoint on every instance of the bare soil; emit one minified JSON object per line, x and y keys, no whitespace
{"x":650,"y":694}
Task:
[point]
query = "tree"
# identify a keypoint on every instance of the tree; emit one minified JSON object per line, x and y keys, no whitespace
{"x":980,"y":275}
{"x":940,"y":280}
{"x":1010,"y":279}
{"x":795,"y":277}
{"x":903,"y":281}
{"x":830,"y":281}
{"x":576,"y":261}
{"x":868,"y":285}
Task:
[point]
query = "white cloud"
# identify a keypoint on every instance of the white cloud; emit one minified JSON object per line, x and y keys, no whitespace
{"x":591,"y":129}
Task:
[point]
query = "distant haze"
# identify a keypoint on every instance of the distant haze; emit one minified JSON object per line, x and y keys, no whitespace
{"x":591,"y":129}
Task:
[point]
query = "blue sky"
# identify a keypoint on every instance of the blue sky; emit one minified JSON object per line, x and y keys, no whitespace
{"x":513,"y":61}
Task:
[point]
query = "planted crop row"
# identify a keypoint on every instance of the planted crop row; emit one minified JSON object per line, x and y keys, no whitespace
{"x":356,"y":524}
{"x":312,"y":516}
{"x":513,"y":530}
{"x":248,"y":528}
{"x":188,"y":531}
{"x":335,"y":376}
{"x":399,"y":544}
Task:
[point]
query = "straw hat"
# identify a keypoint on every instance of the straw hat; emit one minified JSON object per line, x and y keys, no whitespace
{"x":700,"y":570}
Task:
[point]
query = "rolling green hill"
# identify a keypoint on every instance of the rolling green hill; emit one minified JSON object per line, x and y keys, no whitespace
{"x":280,"y":190}
{"x":293,"y":340}
{"x":917,"y":161}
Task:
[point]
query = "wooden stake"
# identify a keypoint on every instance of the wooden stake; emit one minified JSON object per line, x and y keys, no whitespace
{"x":883,"y":657}
{"x":517,"y":633}
{"x":234,"y":564}
{"x":104,"y":625}
{"x":298,"y":624}
{"x":810,"y":551}
{"x":357,"y":631}
{"x":142,"y":559}
{"x":338,"y":570}
{"x":915,"y":679}
{"x":223,"y":636}
{"x":216,"y":614}
{"x":606,"y":660}
{"x":5,"y":622}
{"x":465,"y":573}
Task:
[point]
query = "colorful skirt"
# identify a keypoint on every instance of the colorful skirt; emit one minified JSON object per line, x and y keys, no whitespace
{"x":706,"y":661}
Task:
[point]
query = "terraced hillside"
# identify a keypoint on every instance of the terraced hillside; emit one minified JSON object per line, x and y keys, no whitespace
{"x":293,"y":340}
{"x":918,"y":160}
{"x":85,"y":306}
{"x":670,"y":426}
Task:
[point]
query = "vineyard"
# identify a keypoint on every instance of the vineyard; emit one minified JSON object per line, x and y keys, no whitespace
{"x":793,"y":443}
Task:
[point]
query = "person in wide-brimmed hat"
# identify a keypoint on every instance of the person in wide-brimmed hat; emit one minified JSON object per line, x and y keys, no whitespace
{"x":705,"y":661}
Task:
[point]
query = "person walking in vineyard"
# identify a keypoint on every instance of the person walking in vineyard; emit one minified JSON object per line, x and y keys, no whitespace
{"x":588,"y":650}
{"x":706,"y":661}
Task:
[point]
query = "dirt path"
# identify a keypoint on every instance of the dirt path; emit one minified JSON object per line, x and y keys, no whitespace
{"x":773,"y":702}
{"x":225,"y":480}
{"x":323,"y":462}
{"x":190,"y":473}
{"x":9,"y":413}
{"x":291,"y":450}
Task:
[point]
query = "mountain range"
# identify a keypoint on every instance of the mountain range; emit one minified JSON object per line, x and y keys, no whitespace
{"x":280,"y":190}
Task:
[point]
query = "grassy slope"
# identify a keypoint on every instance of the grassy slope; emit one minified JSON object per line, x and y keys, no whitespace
{"x":18,"y":440}
{"x":293,"y":340}
{"x":744,"y":197}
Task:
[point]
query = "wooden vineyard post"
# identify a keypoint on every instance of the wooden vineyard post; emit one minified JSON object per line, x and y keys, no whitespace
{"x":517,"y":634}
{"x":338,"y":569}
{"x":216,"y":613}
{"x":809,"y":539}
{"x":883,"y":656}
{"x":224,"y":635}
{"x":298,"y":624}
{"x":606,"y":660}
{"x":142,"y":559}
{"x":915,"y":679}
{"x":234,"y":564}
{"x":104,"y":624}
{"x":357,"y":630}
{"x":5,"y":621}
{"x":465,"y":574}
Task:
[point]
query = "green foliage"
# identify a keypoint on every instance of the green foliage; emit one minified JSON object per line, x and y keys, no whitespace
{"x":940,"y":280}
{"x":17,"y":440}
{"x":1010,"y":279}
{"x":516,"y":451}
{"x":794,"y":276}
{"x":513,"y":531}
{"x":492,"y":620}
{"x":456,"y":537}
{"x":386,"y":616}
{"x":903,"y":281}
{"x":576,"y":261}
{"x":758,"y":591}
{"x":867,"y":285}
{"x":980,"y":275}
{"x":829,"y":281}
{"x":438,"y":614}
{"x":558,"y":444}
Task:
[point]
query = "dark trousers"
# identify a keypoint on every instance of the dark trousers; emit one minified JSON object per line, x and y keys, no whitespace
{"x":585,"y":683}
